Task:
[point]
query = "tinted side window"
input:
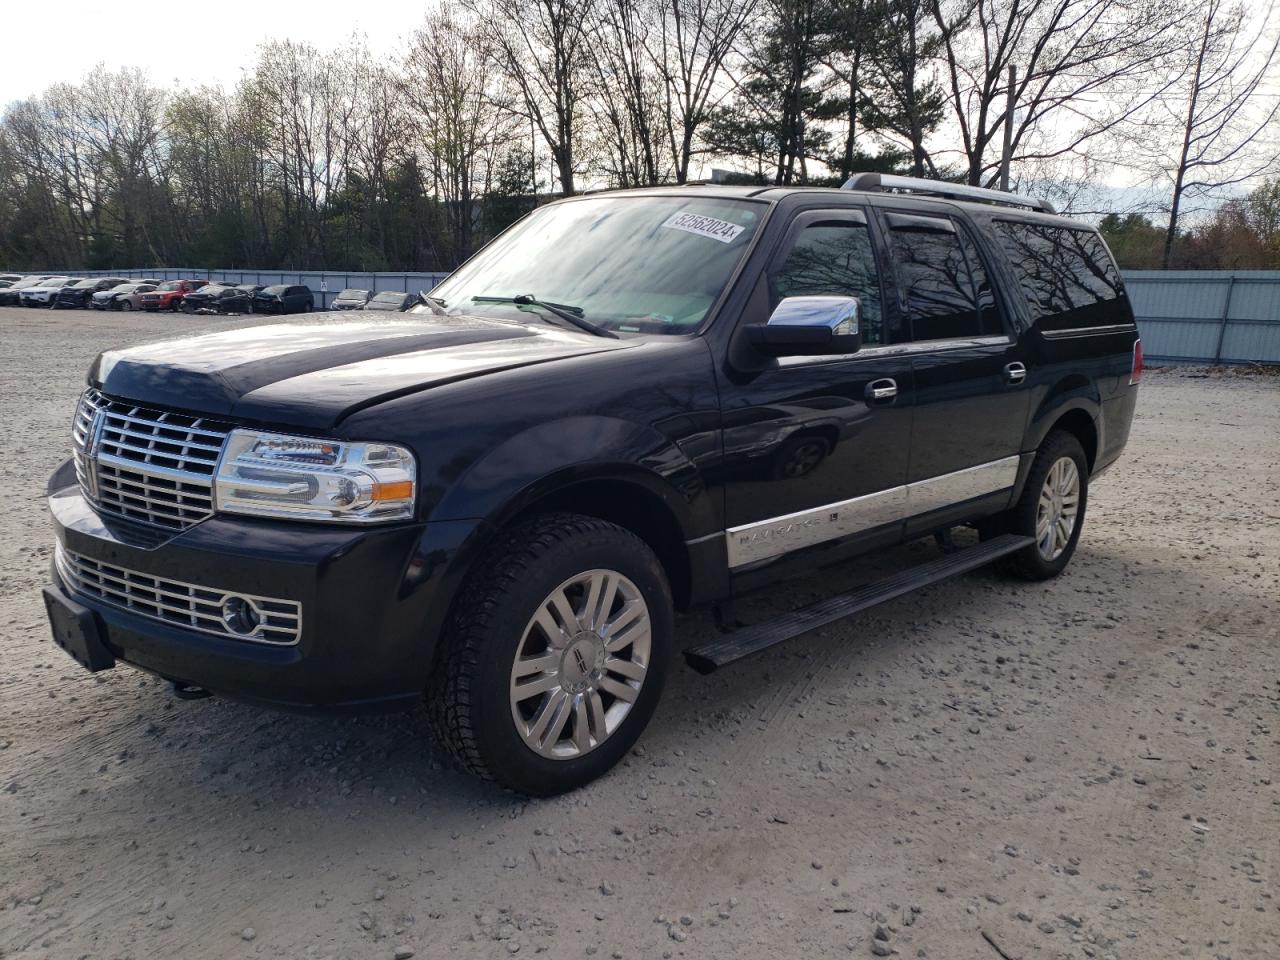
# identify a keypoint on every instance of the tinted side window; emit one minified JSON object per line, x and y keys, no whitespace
{"x":944,"y":286}
{"x":832,"y":257}
{"x":1065,"y":274}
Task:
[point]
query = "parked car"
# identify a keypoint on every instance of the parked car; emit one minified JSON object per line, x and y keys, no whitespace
{"x":353,"y":298}
{"x":42,"y":293}
{"x":284,"y":298}
{"x":7,"y":280}
{"x":498,"y":501}
{"x":10,"y":296}
{"x":169,"y":295}
{"x":391,"y":300}
{"x":218,"y":298}
{"x":80,"y":293}
{"x":126,"y":296}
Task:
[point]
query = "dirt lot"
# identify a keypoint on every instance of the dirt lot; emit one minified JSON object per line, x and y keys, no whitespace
{"x":1084,"y":768}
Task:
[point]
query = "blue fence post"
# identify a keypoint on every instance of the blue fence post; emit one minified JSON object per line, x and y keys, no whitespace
{"x":1226,"y":318}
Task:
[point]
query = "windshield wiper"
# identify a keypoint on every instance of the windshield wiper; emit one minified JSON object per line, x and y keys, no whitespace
{"x":435,"y":304}
{"x":565,"y":312}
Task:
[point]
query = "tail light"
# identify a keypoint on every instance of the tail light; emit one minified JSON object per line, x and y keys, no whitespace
{"x":1135,"y":374}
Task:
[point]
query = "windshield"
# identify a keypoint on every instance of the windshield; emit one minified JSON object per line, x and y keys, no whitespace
{"x":170,"y":285}
{"x":353,"y":294}
{"x":56,"y":282}
{"x":125,"y":288}
{"x":85,"y":283}
{"x":631,"y":264}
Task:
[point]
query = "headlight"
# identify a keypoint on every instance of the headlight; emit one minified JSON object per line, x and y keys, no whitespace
{"x":302,"y":478}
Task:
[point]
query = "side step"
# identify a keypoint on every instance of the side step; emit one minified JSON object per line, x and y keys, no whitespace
{"x":761,"y":636}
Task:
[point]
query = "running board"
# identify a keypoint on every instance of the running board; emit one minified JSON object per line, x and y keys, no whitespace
{"x":761,"y":636}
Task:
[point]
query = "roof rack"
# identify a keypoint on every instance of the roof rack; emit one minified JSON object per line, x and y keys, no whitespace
{"x":939,"y":188}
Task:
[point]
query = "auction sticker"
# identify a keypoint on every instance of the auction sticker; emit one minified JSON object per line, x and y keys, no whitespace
{"x":721,"y":230}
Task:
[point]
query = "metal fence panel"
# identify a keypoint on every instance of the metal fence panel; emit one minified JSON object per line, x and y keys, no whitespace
{"x":325,"y":284}
{"x":1207,"y":316}
{"x":1195,"y":316}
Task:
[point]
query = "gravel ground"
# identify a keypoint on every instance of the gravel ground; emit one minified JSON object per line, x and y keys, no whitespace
{"x":1083,"y":768}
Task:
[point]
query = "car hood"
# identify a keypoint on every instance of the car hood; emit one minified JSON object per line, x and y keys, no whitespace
{"x":315,"y":371}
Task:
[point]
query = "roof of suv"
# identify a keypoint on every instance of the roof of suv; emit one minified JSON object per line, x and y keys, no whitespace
{"x":775,"y":194}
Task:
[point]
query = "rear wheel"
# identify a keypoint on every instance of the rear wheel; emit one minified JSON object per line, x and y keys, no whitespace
{"x":125,"y":305}
{"x":555,"y":656}
{"x":1051,"y":509}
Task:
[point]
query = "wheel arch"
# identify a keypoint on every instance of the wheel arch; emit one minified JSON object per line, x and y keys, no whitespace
{"x":621,"y":495}
{"x":1074,"y":405}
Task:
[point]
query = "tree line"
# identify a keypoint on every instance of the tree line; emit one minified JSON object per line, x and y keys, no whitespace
{"x":338,"y":159}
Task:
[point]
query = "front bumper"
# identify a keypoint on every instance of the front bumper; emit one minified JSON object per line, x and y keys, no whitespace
{"x":372,"y":602}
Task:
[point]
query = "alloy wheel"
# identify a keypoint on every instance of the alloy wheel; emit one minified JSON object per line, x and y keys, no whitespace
{"x":1058,"y":508}
{"x":581,"y":662}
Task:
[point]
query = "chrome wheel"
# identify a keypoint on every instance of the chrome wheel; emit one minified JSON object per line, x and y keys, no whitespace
{"x":1058,"y":508}
{"x":581,"y":662}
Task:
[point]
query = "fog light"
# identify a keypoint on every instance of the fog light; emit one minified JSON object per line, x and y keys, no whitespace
{"x":241,"y":616}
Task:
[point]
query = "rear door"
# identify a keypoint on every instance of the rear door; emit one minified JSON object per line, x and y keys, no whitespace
{"x":814,"y":458}
{"x":969,"y":368}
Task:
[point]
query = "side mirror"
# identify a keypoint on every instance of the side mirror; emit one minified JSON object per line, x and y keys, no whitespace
{"x":809,"y":327}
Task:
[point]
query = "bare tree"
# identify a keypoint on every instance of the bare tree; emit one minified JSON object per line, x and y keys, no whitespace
{"x":1085,"y":67}
{"x":905,"y":101}
{"x":628,"y":93}
{"x":542,"y":47}
{"x":459,"y":112}
{"x":1222,"y":111}
{"x":690,"y":46}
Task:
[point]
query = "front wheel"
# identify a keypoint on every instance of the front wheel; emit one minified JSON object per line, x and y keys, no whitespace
{"x":555,"y":656}
{"x":1051,"y":509}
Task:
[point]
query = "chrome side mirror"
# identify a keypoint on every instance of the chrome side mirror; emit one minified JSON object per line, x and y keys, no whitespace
{"x":809,"y":326}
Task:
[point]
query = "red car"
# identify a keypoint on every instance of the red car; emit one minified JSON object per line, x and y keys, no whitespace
{"x":168,"y":296}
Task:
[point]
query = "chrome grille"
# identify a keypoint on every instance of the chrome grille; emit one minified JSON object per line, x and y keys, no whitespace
{"x":186,"y":605}
{"x":152,"y":466}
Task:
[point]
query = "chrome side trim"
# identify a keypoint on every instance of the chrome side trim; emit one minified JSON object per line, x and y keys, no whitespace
{"x":943,"y":491}
{"x":771,"y":538}
{"x":1072,"y":332}
{"x":900,"y":350}
{"x":766,"y":539}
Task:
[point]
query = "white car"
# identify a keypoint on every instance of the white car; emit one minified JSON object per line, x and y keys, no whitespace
{"x":42,"y":294}
{"x":124,"y":297}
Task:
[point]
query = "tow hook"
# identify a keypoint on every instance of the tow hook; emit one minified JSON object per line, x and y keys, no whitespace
{"x":189,"y":691}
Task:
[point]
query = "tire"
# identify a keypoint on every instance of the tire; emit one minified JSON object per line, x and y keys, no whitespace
{"x":125,"y":305}
{"x":474,"y":697}
{"x":1045,"y":559}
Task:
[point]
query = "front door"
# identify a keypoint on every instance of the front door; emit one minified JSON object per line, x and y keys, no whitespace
{"x":815,"y":448}
{"x":969,"y":369}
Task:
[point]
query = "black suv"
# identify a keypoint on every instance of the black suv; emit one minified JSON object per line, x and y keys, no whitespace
{"x":626,"y":404}
{"x":80,"y":294}
{"x":284,"y":298}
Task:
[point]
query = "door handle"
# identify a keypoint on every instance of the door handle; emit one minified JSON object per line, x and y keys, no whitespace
{"x":881,"y":391}
{"x":1014,"y":373}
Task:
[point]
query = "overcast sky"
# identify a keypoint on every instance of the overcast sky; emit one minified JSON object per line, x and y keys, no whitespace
{"x":188,"y":43}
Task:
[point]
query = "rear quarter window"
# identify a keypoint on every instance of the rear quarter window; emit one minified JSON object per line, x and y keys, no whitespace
{"x":1067,"y":276}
